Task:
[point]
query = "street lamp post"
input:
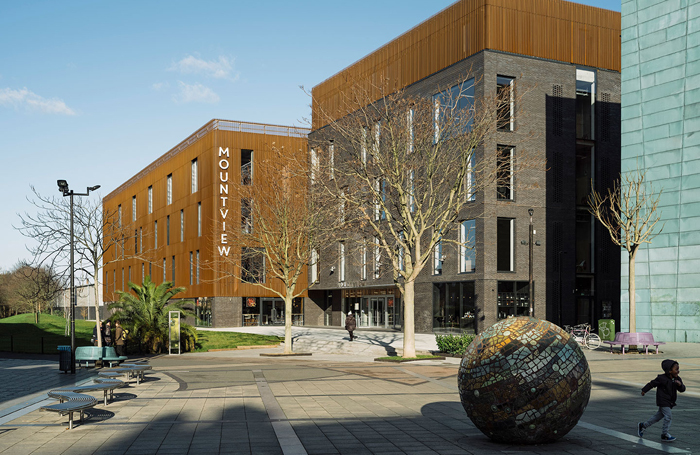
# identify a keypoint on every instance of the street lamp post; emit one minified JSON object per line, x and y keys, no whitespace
{"x":531,"y":297}
{"x":63,"y":188}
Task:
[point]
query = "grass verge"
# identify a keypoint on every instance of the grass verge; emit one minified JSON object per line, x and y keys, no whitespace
{"x":20,"y":334}
{"x":207,"y":340}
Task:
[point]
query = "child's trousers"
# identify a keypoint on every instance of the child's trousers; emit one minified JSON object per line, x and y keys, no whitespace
{"x":663,"y":413}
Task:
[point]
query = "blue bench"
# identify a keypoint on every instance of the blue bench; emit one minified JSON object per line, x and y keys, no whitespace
{"x":105,"y":354}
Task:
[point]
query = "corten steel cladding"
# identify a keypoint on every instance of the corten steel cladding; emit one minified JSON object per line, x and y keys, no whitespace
{"x":524,"y":381}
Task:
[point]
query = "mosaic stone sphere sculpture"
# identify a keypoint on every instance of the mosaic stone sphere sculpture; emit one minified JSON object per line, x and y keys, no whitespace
{"x":524,"y":381}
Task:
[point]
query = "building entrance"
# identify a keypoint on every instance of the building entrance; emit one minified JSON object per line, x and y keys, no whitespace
{"x":272,"y":312}
{"x":373,"y":312}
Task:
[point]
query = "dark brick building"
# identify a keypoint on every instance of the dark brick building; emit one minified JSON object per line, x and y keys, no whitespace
{"x":561,"y":64}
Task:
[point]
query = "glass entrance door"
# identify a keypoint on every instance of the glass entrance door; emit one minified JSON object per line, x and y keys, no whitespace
{"x":373,"y":312}
{"x":273,"y":312}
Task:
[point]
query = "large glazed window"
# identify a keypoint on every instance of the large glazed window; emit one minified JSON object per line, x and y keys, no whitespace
{"x":449,"y":104}
{"x":585,"y":103}
{"x":467,"y":246}
{"x":504,"y":247}
{"x":246,"y":167}
{"x":504,"y":171}
{"x":505,"y":94}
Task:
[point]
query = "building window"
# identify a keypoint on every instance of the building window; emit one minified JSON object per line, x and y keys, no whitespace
{"x":467,"y":246}
{"x":513,"y":298}
{"x":585,"y":102}
{"x":150,"y":269}
{"x":123,"y":284}
{"x":363,"y":150}
{"x":164,"y":269}
{"x":247,"y":215}
{"x":504,"y":244}
{"x":136,"y":241}
{"x":143,"y":270}
{"x":331,"y":158}
{"x":253,"y":265}
{"x":199,"y":219}
{"x":133,"y":208}
{"x":411,"y":135}
{"x":454,"y":307}
{"x":504,"y":172}
{"x":363,"y":254}
{"x":141,"y":239}
{"x":471,"y":179}
{"x":155,"y":234}
{"x":314,"y":266}
{"x":167,"y":230}
{"x":191,"y":267}
{"x":172,"y":272}
{"x":182,"y":225}
{"x":402,"y":253}
{"x":114,"y":280}
{"x":453,"y":109}
{"x":377,"y":258}
{"x":315,"y":165}
{"x":341,"y":262}
{"x":169,"y":190}
{"x":377,"y":205}
{"x":585,"y":244}
{"x":119,"y":215}
{"x":194,"y":176}
{"x":438,"y":258}
{"x":197,"y":273}
{"x":246,"y":167}
{"x":377,"y":131}
{"x":150,"y":199}
{"x":505,"y":95}
{"x":129,"y":274}
{"x":584,"y":172}
{"x":411,"y":191}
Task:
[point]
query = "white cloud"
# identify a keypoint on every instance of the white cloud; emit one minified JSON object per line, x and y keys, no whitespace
{"x":158,"y":86}
{"x":196,"y":93}
{"x":221,"y":69}
{"x":31,"y":101}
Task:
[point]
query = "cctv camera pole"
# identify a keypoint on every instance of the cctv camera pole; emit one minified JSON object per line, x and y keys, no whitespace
{"x":531,"y":297}
{"x":72,"y":292}
{"x":63,"y":187}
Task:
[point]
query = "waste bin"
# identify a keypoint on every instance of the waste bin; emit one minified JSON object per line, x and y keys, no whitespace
{"x":606,"y":329}
{"x":64,"y":358}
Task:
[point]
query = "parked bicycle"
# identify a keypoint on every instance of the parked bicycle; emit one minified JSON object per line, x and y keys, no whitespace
{"x":583,"y":334}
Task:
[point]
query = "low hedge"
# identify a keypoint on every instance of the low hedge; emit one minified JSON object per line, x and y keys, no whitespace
{"x":454,"y":344}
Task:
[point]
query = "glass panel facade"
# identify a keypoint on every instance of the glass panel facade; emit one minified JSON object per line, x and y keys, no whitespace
{"x":513,"y":299}
{"x":454,"y":307}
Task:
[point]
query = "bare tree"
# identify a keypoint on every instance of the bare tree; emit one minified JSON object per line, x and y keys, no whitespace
{"x":630,"y":213}
{"x":95,"y":233}
{"x":282,"y":227}
{"x":405,"y":170}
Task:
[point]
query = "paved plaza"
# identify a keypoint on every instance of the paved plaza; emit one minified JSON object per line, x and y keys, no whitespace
{"x":238,"y":402}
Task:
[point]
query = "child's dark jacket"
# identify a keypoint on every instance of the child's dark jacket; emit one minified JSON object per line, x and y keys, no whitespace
{"x":666,"y":389}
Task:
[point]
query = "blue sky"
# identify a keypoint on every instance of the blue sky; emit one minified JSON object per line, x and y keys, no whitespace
{"x":93,"y":91}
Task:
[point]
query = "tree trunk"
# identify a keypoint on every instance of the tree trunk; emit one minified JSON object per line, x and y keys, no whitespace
{"x":409,"y":324}
{"x":97,"y":311}
{"x":288,"y":324}
{"x":632,"y":290}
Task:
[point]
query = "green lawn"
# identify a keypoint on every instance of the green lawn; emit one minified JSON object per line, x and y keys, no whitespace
{"x":207,"y":340}
{"x":20,"y":334}
{"x":398,"y":358}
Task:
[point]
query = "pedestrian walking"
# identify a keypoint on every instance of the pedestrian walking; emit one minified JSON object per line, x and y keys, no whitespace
{"x":108,"y":334}
{"x":350,"y":324}
{"x":667,"y":387}
{"x":119,"y":338}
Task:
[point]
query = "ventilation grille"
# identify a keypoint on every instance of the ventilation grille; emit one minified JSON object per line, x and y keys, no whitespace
{"x":558,"y":244}
{"x":558,"y":110}
{"x":605,"y":117}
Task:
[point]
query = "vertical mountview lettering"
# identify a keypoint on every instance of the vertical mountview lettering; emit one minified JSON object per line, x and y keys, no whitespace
{"x":223,"y":196}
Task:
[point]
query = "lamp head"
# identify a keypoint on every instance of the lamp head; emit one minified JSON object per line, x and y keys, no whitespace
{"x":530,"y":211}
{"x":93,"y":188}
{"x":62,"y":186}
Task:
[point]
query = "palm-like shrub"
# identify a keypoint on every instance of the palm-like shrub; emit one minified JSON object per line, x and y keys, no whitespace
{"x":145,"y":314}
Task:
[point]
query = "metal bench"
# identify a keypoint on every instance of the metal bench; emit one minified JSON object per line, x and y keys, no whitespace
{"x":70,"y":402}
{"x":131,"y":371}
{"x":645,"y":339}
{"x":100,"y":385}
{"x":105,"y":354}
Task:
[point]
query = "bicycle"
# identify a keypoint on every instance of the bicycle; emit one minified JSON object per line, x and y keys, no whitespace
{"x":584,"y":335}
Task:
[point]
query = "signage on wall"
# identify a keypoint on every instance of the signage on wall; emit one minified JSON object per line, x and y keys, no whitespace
{"x":250,"y":302}
{"x":224,"y":250}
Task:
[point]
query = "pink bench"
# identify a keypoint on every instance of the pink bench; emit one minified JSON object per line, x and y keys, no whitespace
{"x":645,"y":339}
